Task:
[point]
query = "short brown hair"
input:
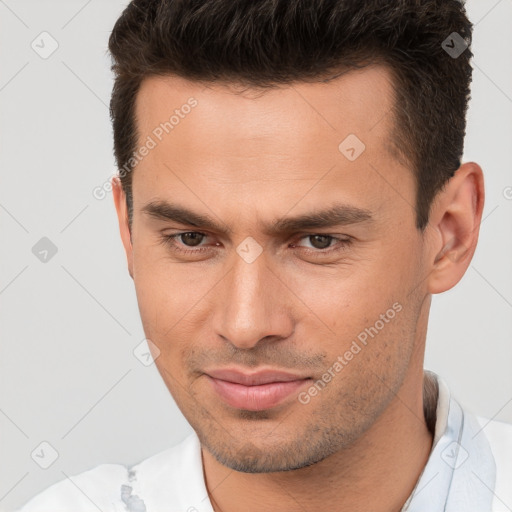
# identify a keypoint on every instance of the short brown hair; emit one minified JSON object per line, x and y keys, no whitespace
{"x":260,"y":43}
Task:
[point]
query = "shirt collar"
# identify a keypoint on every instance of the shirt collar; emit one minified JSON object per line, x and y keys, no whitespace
{"x":460,"y":473}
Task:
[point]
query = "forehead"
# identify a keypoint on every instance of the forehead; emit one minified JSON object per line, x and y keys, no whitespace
{"x":236,"y":142}
{"x":355,"y":102}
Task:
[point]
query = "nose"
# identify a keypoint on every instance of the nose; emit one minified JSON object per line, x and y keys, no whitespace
{"x":252,"y":304}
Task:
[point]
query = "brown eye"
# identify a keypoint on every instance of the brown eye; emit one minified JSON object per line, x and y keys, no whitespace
{"x":191,"y":239}
{"x":322,"y":245}
{"x":320,"y":241}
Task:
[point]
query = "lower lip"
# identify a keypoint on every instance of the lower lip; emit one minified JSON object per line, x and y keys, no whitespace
{"x":255,"y":398}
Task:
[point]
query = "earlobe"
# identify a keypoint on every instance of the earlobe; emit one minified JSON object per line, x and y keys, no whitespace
{"x":456,"y":216}
{"x":122,"y":217}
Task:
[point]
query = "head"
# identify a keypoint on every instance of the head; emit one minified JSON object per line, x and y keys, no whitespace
{"x":290,"y":195}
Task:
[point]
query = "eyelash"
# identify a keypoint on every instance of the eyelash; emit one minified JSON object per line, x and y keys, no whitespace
{"x":171,"y":240}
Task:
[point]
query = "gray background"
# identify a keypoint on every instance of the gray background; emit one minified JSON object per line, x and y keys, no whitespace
{"x":69,"y":325}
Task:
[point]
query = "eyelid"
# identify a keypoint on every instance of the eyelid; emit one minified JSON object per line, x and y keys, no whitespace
{"x":172,"y":241}
{"x":330,"y":235}
{"x":300,"y":236}
{"x":342,"y":240}
{"x":343,"y":243}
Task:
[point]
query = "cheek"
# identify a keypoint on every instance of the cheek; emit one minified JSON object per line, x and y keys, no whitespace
{"x":164,"y":290}
{"x":360,"y":316}
{"x":347,"y":301}
{"x":173,"y":302}
{"x":371,"y":356}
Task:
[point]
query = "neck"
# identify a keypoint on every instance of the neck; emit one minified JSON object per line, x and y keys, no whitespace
{"x":378,"y":472}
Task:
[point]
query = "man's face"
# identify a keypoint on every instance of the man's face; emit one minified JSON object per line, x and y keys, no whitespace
{"x":250,"y":291}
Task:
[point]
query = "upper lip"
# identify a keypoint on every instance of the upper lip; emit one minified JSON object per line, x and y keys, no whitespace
{"x":255,"y":378}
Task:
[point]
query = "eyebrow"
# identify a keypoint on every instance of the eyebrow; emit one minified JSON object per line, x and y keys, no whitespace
{"x":335,"y":215}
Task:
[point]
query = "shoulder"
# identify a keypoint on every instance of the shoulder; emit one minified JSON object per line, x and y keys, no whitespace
{"x":160,"y":478}
{"x":499,"y":436}
{"x":97,"y":488}
{"x":173,"y":478}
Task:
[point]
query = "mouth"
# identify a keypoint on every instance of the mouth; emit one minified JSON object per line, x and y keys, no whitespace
{"x":257,"y":391}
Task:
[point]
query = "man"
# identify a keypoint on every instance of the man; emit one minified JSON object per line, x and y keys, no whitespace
{"x":290,"y":195}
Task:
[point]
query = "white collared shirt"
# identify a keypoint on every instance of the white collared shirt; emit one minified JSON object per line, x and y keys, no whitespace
{"x":469,"y":470}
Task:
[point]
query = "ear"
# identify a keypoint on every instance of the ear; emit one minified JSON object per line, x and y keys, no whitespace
{"x":455,"y":218}
{"x":122,"y":216}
